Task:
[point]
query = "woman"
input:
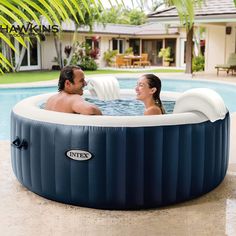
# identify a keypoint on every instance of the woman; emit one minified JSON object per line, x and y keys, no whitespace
{"x":148,"y":91}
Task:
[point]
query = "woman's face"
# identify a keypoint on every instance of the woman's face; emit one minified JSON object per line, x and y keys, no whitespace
{"x":142,"y":89}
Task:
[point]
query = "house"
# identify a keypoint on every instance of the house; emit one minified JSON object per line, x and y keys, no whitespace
{"x":219,"y":20}
{"x":148,"y":38}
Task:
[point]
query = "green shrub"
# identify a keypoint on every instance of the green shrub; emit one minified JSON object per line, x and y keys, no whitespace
{"x":84,"y":57}
{"x":198,"y":63}
{"x":88,"y":64}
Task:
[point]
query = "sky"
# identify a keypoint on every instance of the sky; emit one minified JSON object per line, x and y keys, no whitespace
{"x":128,"y":3}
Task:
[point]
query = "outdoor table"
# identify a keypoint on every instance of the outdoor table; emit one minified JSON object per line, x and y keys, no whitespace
{"x":132,"y":58}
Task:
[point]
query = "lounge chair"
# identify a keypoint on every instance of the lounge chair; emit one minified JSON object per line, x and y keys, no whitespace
{"x":121,"y":61}
{"x":230,"y":65}
{"x":143,"y":61}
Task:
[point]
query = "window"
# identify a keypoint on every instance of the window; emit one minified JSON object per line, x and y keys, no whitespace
{"x":94,"y":46}
{"x":31,"y":57}
{"x":93,"y":42}
{"x":89,"y":42}
{"x":118,"y":44}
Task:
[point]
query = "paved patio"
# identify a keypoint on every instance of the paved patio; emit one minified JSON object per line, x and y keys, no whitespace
{"x":25,"y":213}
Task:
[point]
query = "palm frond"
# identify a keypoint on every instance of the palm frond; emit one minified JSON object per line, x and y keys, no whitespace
{"x":5,"y":64}
{"x":78,"y":10}
{"x":59,"y":9}
{"x":14,"y":9}
{"x":54,"y":11}
{"x":11,"y":15}
{"x":8,"y":41}
{"x":40,"y":10}
{"x":185,"y":9}
{"x":29,"y":11}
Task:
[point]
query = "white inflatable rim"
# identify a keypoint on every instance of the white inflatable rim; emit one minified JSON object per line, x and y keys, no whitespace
{"x":29,"y":108}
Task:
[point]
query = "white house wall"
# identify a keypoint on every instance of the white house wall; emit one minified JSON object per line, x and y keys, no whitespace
{"x":104,"y":46}
{"x":180,"y":48}
{"x":218,"y":46}
{"x":230,"y":41}
{"x":49,"y":51}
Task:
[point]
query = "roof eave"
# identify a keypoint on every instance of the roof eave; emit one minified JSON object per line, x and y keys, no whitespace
{"x":224,"y":18}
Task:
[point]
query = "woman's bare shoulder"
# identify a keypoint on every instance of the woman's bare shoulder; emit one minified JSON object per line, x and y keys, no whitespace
{"x":154,"y":110}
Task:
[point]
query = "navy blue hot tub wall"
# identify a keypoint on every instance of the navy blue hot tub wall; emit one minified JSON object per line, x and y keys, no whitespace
{"x":130,"y":167}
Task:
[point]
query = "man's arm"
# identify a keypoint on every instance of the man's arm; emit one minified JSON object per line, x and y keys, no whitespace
{"x":85,"y":108}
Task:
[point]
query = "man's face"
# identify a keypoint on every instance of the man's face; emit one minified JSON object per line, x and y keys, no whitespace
{"x":79,"y":83}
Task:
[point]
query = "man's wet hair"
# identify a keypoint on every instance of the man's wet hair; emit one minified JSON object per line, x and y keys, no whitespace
{"x":67,"y":73}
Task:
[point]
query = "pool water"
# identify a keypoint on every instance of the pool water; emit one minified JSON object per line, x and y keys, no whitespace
{"x":9,"y":97}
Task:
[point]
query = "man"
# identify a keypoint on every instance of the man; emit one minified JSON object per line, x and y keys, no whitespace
{"x":70,"y":87}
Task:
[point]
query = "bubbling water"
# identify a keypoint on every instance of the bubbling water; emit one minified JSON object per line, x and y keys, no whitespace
{"x":126,"y":107}
{"x":122,"y":107}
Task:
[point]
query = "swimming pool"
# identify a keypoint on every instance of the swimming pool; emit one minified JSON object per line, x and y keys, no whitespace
{"x":10,"y":96}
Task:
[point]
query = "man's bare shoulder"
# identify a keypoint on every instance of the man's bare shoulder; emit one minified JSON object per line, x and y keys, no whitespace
{"x":66,"y":96}
{"x":75,"y":97}
{"x":63,"y":102}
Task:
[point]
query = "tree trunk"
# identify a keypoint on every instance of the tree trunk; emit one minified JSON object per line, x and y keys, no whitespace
{"x":60,"y":58}
{"x":73,"y":46}
{"x":71,"y":54}
{"x":189,"y":51}
{"x":58,"y":51}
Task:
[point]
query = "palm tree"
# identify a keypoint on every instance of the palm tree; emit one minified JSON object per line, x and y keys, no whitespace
{"x":25,"y":11}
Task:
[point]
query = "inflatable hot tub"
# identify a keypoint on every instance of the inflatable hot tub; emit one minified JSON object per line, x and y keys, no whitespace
{"x":127,"y":162}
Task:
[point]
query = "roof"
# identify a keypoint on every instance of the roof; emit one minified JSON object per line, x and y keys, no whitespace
{"x":123,"y":29}
{"x":211,"y":10}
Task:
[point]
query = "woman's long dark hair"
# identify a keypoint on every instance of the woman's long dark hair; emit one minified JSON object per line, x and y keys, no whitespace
{"x":155,"y":82}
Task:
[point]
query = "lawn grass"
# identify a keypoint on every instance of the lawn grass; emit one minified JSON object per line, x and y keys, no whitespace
{"x":34,"y":76}
{"x":29,"y":76}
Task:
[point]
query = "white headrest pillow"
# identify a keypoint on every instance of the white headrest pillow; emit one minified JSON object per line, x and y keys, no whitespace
{"x":104,"y":87}
{"x":203,"y":100}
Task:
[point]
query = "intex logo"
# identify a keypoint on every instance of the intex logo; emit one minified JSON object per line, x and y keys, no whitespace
{"x":79,"y":155}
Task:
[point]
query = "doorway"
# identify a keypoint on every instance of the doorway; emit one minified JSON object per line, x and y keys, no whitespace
{"x":172,"y":44}
{"x":152,"y":48}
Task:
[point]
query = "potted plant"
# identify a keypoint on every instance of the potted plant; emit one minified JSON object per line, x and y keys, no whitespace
{"x":129,"y":51}
{"x":108,"y":56}
{"x":165,"y":54}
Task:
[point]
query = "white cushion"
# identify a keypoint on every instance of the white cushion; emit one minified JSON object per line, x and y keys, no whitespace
{"x":203,"y":100}
{"x":104,"y":87}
